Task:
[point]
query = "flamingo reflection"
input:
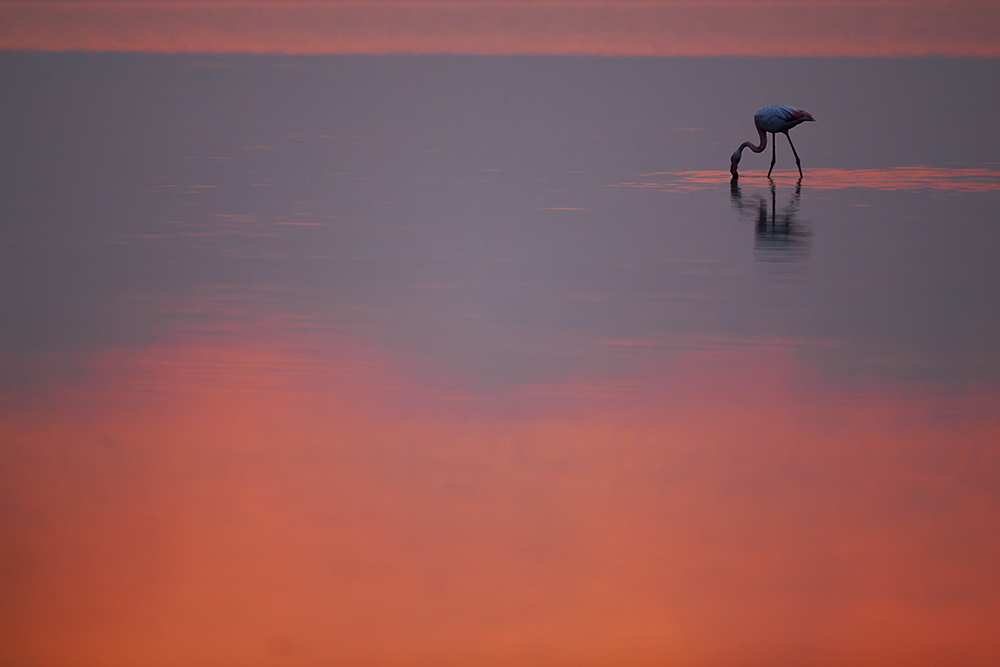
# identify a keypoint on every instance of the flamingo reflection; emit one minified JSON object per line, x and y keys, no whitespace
{"x":778,"y":235}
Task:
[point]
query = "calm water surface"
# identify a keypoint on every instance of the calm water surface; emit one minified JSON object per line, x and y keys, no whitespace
{"x":444,"y":360}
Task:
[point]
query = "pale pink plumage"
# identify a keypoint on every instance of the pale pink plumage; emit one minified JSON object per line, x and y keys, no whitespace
{"x":772,"y":119}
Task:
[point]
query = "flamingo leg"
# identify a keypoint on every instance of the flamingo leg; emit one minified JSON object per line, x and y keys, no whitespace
{"x":773,"y":143}
{"x":797,"y":163}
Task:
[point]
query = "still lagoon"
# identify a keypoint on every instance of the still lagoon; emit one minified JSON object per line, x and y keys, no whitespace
{"x":446,"y":360}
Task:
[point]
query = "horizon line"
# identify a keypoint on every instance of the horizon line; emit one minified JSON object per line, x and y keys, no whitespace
{"x":783,"y":28}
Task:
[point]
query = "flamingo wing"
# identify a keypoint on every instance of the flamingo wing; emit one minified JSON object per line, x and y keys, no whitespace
{"x":780,"y":118}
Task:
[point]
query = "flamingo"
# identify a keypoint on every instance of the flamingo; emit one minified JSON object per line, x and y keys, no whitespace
{"x":774,"y":119}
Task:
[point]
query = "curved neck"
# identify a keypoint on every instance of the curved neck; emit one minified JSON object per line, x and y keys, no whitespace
{"x":751,"y":146}
{"x":735,"y":160}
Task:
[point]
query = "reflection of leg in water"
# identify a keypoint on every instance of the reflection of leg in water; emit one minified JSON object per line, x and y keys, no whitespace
{"x":778,"y":235}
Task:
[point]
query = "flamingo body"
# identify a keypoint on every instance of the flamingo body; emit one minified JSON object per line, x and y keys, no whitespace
{"x":773,"y":119}
{"x":780,"y":118}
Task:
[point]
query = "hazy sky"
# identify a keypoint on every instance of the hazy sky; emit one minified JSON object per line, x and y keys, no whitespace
{"x":623,"y":27}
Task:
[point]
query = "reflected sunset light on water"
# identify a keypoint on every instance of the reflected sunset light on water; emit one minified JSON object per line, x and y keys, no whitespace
{"x":957,"y":179}
{"x":236,"y":501}
{"x":340,"y":354}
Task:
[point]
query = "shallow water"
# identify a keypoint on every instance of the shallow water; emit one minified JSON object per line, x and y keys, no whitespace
{"x":407,"y":360}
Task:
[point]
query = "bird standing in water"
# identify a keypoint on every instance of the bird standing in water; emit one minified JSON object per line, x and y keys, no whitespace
{"x":772,"y":119}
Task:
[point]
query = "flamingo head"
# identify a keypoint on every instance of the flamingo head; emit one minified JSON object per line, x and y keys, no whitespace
{"x":735,"y":161}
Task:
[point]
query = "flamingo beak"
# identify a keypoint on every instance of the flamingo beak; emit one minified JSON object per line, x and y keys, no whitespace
{"x":735,"y":163}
